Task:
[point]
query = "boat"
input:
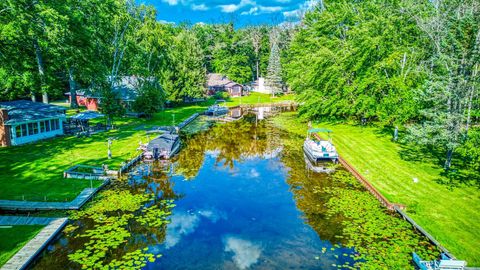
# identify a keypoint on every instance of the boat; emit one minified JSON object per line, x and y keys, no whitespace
{"x":164,"y":146}
{"x":318,"y":167}
{"x":445,"y":263}
{"x":317,"y":149}
{"x":217,"y":109}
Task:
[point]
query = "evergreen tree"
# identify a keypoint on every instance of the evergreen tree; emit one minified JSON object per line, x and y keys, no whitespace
{"x":186,"y":76}
{"x":274,"y":71}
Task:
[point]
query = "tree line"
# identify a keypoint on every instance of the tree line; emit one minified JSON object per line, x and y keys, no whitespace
{"x":49,"y":47}
{"x":399,"y":63}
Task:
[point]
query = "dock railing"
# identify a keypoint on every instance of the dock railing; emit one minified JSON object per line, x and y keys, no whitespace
{"x":383,"y":200}
{"x":392,"y":206}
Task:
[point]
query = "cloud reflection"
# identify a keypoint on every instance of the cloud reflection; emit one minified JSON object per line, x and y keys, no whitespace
{"x":245,"y":253}
{"x":182,"y":224}
{"x":185,"y":223}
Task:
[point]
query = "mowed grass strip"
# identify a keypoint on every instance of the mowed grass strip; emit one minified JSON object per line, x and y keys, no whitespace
{"x":13,"y":238}
{"x":452,"y":216}
{"x":35,"y":171}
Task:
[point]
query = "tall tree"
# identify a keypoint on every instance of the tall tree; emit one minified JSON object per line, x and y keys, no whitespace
{"x":453,"y":28}
{"x":185,"y":76}
{"x":274,"y":72}
{"x":357,"y":59}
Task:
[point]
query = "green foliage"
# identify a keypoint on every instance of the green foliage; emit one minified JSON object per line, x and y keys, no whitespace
{"x":113,"y":213}
{"x":391,"y":167}
{"x":274,"y":70}
{"x":150,"y":99}
{"x":356,"y":59}
{"x":185,"y":77}
{"x":383,"y":240}
{"x":109,"y":103}
{"x":14,"y":238}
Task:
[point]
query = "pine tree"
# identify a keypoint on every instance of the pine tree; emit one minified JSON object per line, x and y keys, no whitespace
{"x":274,"y":79}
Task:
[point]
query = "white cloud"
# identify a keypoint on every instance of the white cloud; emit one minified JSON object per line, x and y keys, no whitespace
{"x":310,"y":4}
{"x":171,"y":2}
{"x":257,"y":10}
{"x":298,"y":13}
{"x":201,"y":7}
{"x":234,"y":7}
{"x":292,"y":13}
{"x":245,"y":253}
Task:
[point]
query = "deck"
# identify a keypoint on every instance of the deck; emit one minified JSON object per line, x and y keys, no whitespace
{"x":26,"y":255}
{"x":76,"y":204}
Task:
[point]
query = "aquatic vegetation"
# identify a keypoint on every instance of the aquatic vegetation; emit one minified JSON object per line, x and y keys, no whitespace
{"x":113,"y":214}
{"x":382,"y":239}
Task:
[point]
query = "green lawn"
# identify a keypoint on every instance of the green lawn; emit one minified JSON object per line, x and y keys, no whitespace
{"x":258,"y":98}
{"x":452,"y":216}
{"x":12,"y":239}
{"x":35,"y":171}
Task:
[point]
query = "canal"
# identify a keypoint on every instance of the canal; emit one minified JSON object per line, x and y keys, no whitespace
{"x":238,"y":196}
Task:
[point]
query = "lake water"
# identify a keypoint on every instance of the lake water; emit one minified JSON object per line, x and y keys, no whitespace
{"x":243,"y":201}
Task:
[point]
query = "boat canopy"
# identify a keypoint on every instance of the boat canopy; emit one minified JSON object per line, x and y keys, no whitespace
{"x":316,"y":130}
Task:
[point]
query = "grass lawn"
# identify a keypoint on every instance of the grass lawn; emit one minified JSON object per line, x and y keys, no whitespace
{"x":258,"y":98}
{"x":452,"y":216}
{"x":35,"y":171}
{"x":14,"y":238}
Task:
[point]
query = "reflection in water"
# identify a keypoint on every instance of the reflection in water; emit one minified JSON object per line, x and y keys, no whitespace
{"x":245,"y":252}
{"x":244,"y":200}
{"x":182,"y":224}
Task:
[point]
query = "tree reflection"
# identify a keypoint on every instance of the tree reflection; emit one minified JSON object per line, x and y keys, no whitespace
{"x":231,"y":142}
{"x":307,"y":188}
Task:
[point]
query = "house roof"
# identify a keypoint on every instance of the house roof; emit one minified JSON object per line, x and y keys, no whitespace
{"x":219,"y":80}
{"x":126,"y":87}
{"x":164,"y":141}
{"x":24,"y":110}
{"x":231,"y":84}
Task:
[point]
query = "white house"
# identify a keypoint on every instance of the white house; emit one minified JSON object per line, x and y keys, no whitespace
{"x":25,"y":121}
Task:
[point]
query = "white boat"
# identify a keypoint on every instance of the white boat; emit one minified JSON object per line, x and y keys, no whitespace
{"x":445,"y":263}
{"x":217,"y":109}
{"x":318,"y":167}
{"x":317,"y":149}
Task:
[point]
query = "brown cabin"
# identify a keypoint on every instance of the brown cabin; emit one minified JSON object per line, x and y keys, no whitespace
{"x":217,"y":82}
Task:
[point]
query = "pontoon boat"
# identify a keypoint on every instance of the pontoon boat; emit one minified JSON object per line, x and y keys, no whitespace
{"x":317,"y":149}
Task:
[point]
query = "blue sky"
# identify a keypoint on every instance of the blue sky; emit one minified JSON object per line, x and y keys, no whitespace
{"x":243,"y":12}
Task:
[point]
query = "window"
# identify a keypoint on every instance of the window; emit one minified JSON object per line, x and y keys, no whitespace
{"x":30,"y":129}
{"x":35,"y":128}
{"x":18,"y":131}
{"x":24,"y":130}
{"x":42,"y":126}
{"x":57,"y":123}
{"x":52,"y":124}
{"x":47,"y":125}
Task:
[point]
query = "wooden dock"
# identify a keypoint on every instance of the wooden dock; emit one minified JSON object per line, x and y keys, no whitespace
{"x":188,"y":120}
{"x":424,"y":232}
{"x":27,"y":254}
{"x":76,"y":204}
{"x":384,"y":201}
{"x":24,"y":220}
